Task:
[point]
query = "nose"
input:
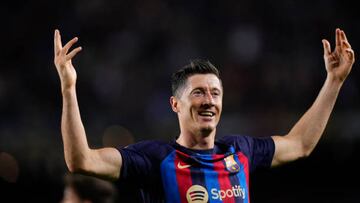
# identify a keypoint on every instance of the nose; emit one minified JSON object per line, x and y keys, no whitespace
{"x":208,"y":100}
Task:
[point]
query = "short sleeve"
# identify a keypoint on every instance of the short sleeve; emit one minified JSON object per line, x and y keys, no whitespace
{"x":141,"y":161}
{"x":259,"y":150}
{"x":137,"y":163}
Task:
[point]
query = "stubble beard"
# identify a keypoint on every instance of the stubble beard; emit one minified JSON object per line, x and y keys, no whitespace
{"x":206,"y":131}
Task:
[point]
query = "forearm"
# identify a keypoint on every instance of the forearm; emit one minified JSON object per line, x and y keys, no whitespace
{"x":76,"y":147}
{"x":311,"y":126}
{"x":303,"y":137}
{"x":105,"y":162}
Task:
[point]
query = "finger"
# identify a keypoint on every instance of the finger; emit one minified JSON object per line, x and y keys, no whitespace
{"x":350,"y":53}
{"x":73,"y":53}
{"x":333,"y":63}
{"x":327,"y":48}
{"x":57,"y":41}
{"x":346,"y":44}
{"x":69,"y":44}
{"x":343,"y":36}
{"x":337,"y":39}
{"x":55,"y":44}
{"x":344,"y":39}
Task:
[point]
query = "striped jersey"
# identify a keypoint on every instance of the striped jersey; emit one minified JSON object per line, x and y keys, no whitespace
{"x":154,"y":171}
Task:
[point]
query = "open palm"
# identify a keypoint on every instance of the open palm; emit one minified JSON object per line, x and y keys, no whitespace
{"x":62,"y":60}
{"x":339,"y":62}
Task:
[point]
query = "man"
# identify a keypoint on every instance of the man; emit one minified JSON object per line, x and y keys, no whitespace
{"x":85,"y":189}
{"x":195,"y":167}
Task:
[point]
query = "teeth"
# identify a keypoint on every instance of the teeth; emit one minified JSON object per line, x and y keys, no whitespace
{"x":206,"y":113}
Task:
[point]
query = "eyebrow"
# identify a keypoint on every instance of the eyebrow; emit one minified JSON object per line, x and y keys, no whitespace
{"x":202,"y":88}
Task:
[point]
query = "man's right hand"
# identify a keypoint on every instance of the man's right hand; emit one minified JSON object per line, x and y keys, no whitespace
{"x":62,"y":60}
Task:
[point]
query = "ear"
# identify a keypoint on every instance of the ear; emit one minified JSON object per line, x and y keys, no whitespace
{"x":174,"y":104}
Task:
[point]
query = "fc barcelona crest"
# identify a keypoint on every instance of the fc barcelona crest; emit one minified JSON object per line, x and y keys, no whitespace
{"x":231,"y":164}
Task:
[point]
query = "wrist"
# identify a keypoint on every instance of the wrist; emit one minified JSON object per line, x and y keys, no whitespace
{"x":67,"y":89}
{"x":334,"y":82}
{"x":335,"y":79}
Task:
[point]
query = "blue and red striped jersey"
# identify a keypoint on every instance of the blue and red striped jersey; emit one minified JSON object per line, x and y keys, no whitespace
{"x":155,"y":171}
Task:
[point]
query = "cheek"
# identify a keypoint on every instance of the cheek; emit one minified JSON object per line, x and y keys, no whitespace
{"x":218,"y":105}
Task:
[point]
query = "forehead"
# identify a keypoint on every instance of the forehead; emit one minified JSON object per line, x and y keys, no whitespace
{"x":203,"y":81}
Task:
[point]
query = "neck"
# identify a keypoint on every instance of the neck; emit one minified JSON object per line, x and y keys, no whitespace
{"x":200,"y":140}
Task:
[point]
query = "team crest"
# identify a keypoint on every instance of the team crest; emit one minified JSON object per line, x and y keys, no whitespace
{"x":231,"y":164}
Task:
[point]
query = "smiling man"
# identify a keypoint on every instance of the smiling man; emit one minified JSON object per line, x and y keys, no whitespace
{"x":195,"y":167}
{"x":197,"y":100}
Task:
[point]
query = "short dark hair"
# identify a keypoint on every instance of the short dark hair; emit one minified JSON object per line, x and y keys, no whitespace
{"x":196,"y":66}
{"x":90,"y":188}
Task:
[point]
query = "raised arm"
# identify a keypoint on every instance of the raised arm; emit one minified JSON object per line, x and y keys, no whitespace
{"x":303,"y":137}
{"x":105,"y":162}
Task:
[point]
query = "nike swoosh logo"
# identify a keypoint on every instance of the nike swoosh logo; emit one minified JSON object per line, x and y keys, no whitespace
{"x":182,"y":166}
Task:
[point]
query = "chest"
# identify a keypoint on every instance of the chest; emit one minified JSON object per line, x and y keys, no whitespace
{"x":205,"y":178}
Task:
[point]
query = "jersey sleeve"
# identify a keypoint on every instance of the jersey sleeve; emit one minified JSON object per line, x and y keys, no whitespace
{"x":259,"y":150}
{"x":141,"y":161}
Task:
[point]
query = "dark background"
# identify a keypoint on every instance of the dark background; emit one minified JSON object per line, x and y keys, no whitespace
{"x":271,"y":60}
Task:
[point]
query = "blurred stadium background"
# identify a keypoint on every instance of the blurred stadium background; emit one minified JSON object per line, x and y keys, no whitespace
{"x":269,"y":54}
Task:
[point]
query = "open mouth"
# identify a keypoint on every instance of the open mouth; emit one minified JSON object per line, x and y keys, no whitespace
{"x":206,"y":113}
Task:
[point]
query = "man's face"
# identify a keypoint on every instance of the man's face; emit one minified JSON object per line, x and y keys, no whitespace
{"x":200,"y":103}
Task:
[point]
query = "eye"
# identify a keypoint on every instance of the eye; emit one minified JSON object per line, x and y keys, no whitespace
{"x":215,"y":93}
{"x":197,"y":93}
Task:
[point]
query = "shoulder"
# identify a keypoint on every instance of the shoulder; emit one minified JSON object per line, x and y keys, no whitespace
{"x":245,"y":142}
{"x":149,"y":148}
{"x":147,"y":144}
{"x":235,"y":139}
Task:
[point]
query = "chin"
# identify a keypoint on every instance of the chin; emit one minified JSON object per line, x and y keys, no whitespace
{"x":207,"y":130}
